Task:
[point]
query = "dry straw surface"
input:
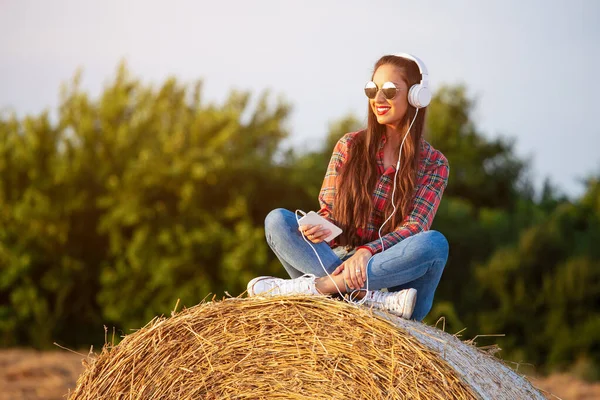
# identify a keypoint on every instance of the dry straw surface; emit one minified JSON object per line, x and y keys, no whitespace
{"x":490,"y":378}
{"x":271,"y":348}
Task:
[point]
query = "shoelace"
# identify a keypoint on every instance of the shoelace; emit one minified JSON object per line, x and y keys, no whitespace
{"x":386,"y":300}
{"x":301,"y":284}
{"x":376,"y":297}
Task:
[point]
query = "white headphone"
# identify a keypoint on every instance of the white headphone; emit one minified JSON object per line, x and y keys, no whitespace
{"x":419,"y":95}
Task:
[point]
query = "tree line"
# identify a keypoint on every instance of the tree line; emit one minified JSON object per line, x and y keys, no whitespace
{"x":121,"y":205}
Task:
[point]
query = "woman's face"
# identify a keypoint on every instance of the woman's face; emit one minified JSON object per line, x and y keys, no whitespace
{"x":390,"y":112}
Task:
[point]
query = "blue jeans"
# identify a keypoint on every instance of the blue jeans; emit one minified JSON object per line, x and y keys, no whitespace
{"x":416,"y":262}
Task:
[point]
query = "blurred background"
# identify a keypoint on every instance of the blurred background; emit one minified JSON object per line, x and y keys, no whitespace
{"x":143,"y":143}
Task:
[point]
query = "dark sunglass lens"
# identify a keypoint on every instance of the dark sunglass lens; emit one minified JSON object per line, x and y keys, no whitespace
{"x":389,"y":93}
{"x":371,"y":92}
{"x":371,"y":89}
{"x":389,"y":90}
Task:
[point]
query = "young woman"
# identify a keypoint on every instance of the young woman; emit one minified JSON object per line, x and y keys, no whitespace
{"x":382,"y":187}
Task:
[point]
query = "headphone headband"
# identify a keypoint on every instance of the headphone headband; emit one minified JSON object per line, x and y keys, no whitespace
{"x":419,"y":95}
{"x":420,"y":64}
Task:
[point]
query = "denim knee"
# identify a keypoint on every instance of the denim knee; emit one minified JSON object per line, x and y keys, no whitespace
{"x":275,"y":221}
{"x":437,"y":245}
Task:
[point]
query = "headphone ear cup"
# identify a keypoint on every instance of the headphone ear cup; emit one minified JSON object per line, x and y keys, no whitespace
{"x":419,"y":96}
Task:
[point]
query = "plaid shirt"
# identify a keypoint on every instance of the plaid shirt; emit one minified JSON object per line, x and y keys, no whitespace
{"x":432,"y":178}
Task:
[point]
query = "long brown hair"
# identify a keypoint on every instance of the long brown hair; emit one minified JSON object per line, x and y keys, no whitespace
{"x":356,"y":182}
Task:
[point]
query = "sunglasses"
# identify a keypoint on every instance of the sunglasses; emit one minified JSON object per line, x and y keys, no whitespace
{"x":389,"y":90}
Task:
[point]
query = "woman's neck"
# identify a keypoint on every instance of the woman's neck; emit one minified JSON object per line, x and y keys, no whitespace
{"x":393,"y":137}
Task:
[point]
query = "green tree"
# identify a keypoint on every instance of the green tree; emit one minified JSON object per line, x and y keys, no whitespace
{"x":484,"y":171}
{"x":544,"y":291}
{"x":130,"y":202}
{"x":487,"y":202}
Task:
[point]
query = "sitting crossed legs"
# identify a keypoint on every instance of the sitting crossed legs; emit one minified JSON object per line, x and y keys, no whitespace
{"x":411,"y":269}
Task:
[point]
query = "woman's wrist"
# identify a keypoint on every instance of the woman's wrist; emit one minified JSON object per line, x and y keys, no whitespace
{"x":365,"y":250}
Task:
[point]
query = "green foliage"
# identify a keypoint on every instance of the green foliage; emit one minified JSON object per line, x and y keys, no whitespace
{"x":517,"y":267}
{"x":130,"y":202}
{"x":121,"y":205}
{"x":550,"y":276}
{"x":486,"y":172}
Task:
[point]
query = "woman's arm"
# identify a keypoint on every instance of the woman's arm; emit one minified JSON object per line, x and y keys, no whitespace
{"x":317,"y":233}
{"x":427,"y":199}
{"x":328,"y":188}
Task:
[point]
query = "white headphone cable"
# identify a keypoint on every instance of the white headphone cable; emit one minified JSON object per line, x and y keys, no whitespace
{"x":394,"y":181}
{"x":379,"y":232}
{"x":324,"y":269}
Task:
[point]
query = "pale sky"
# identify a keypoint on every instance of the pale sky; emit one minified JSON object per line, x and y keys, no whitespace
{"x":531,"y":65}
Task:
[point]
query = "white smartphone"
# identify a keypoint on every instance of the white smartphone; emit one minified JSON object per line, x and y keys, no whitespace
{"x":312,"y":218}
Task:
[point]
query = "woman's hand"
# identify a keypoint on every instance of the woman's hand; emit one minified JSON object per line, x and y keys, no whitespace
{"x":314,"y":233}
{"x":355,"y":269}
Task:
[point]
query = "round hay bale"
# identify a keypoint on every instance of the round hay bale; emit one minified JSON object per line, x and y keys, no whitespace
{"x":294,"y":348}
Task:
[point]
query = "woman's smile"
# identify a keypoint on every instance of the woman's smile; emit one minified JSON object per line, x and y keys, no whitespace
{"x":382,"y":110}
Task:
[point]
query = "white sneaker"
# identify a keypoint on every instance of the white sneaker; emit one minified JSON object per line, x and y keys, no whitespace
{"x":400,"y":303}
{"x":271,"y":286}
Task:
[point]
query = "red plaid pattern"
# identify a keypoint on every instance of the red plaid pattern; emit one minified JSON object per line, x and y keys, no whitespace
{"x":432,"y":178}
